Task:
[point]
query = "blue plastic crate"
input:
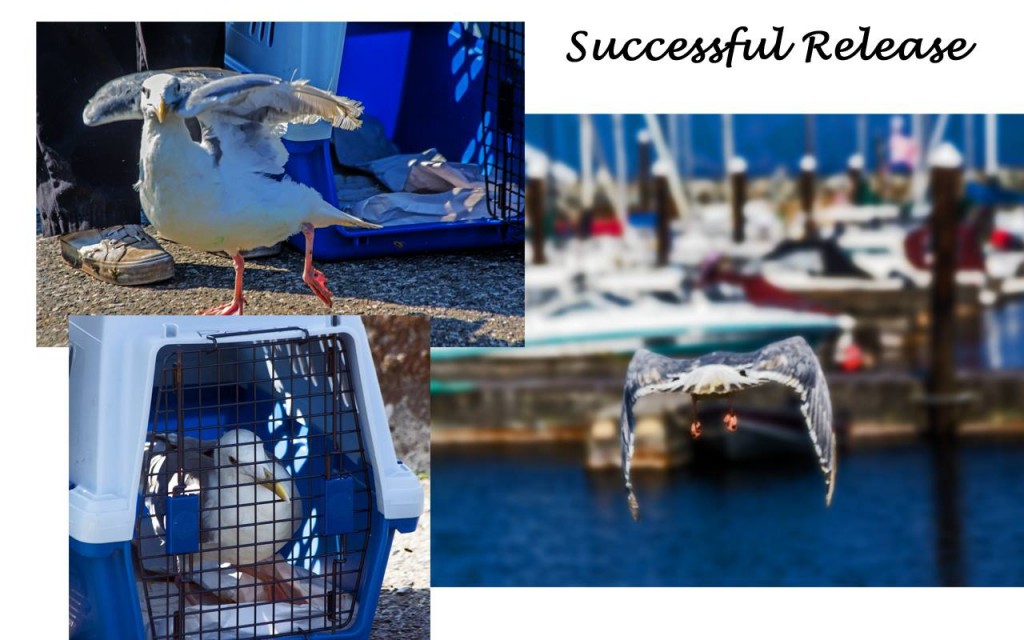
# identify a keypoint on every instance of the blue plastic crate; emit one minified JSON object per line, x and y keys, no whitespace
{"x":389,"y":67}
{"x":104,"y":601}
{"x":305,"y":386}
{"x":339,"y":243}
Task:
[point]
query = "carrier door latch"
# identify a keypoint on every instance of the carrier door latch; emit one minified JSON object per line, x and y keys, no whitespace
{"x":339,"y":505}
{"x":182,"y":524}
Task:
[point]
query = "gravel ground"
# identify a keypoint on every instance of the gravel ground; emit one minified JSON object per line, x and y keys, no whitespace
{"x":401,"y":353}
{"x":472,"y":298}
{"x":404,"y":607}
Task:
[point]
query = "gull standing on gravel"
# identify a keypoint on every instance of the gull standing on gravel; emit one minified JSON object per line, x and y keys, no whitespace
{"x":226,"y":192}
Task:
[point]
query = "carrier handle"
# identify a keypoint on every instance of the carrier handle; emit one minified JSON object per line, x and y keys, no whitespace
{"x":252,"y":332}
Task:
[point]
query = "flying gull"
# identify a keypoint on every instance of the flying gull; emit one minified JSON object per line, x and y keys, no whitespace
{"x":791,"y":362}
{"x":226,"y":192}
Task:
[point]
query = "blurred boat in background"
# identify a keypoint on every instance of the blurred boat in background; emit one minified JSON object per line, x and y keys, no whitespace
{"x":691,"y":322}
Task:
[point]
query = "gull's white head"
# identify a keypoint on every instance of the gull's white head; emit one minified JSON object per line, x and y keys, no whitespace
{"x":242,"y":450}
{"x":159,"y":95}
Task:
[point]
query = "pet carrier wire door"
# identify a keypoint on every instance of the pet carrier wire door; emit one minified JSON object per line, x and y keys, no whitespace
{"x":503,"y":145}
{"x":230,"y":477}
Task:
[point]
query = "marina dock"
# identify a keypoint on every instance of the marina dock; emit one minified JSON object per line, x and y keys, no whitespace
{"x":528,"y":402}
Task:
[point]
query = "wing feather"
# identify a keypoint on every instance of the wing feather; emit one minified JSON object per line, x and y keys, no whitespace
{"x":243,"y":116}
{"x":268,"y":99}
{"x":793,"y":363}
{"x":119,"y":98}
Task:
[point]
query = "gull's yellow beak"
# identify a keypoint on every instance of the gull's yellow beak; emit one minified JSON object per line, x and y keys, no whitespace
{"x":161,"y":111}
{"x":276,"y":487}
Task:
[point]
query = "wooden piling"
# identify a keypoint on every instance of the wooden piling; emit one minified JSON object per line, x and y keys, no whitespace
{"x":855,"y":171}
{"x":535,"y":216}
{"x":738,"y":189}
{"x":946,"y":177}
{"x":808,"y":166}
{"x":942,"y":401}
{"x":665,"y":211}
{"x":881,"y":166}
{"x":643,"y":171}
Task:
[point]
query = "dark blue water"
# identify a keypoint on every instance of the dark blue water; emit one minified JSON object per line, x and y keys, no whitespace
{"x":536,"y":517}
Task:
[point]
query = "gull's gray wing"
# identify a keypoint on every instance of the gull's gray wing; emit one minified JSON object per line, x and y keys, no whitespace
{"x":162,"y":472}
{"x":793,"y":363}
{"x":119,"y":99}
{"x":243,"y":117}
{"x":790,"y":362}
{"x":159,"y":482}
{"x":267,"y":99}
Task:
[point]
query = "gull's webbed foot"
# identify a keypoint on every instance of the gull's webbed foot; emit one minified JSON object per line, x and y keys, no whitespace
{"x":732,"y":421}
{"x":233,"y":308}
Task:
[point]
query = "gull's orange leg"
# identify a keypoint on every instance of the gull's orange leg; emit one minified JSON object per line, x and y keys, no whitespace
{"x":238,"y":300}
{"x":279,"y":585}
{"x":695,"y":429}
{"x":315,"y":278}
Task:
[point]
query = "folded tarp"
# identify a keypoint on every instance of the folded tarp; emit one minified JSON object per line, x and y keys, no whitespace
{"x":414,"y":189}
{"x":381,"y":185}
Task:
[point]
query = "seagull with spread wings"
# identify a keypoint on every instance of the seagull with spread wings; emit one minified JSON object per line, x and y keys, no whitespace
{"x":226,"y":192}
{"x":790,"y":362}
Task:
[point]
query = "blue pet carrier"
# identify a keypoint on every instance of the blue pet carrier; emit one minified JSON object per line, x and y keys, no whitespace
{"x":456,"y":88}
{"x":229,"y":478}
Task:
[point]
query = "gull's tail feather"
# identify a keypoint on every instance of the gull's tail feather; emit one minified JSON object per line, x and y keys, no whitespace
{"x":328,"y":216}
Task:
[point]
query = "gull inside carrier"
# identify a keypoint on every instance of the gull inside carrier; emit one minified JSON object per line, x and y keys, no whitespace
{"x":439,"y":160}
{"x":229,"y":478}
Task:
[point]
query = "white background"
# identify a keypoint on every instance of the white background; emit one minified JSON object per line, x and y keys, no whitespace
{"x":981,"y":83}
{"x":33,"y":518}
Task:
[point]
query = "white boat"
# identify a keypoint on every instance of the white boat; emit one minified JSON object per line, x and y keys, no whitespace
{"x":803,"y":266}
{"x":880,"y":252}
{"x":1003,"y":265}
{"x":546,"y":282}
{"x":712,"y":234}
{"x":601,"y":322}
{"x":851,"y":214}
{"x":1012,"y":287}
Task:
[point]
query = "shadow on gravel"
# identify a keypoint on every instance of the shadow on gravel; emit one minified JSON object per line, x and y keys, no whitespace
{"x":453,"y":332}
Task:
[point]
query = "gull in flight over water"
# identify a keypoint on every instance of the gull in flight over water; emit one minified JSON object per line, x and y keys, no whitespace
{"x":790,"y":362}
